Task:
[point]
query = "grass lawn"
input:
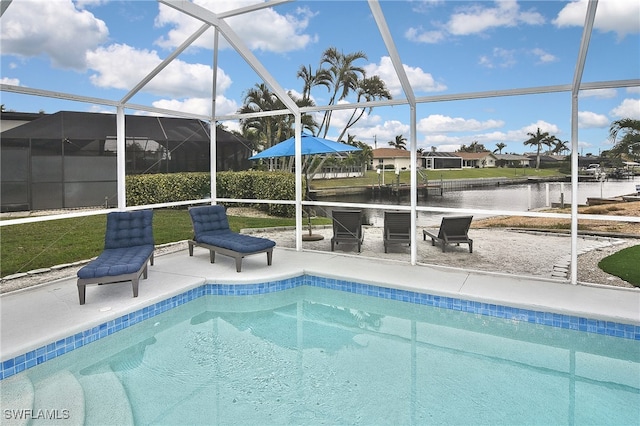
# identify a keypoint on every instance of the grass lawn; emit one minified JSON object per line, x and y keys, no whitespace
{"x":623,"y":264}
{"x":371,"y":177}
{"x":37,"y":245}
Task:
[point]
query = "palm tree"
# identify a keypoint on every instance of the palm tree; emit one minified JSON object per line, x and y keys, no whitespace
{"x":339,"y":74}
{"x":560,"y":146}
{"x":399,"y":143}
{"x":363,"y":157}
{"x":369,"y":89}
{"x":499,"y":147}
{"x":342,"y":78}
{"x":320,"y":78}
{"x":474,"y":146}
{"x":269,"y":130}
{"x":629,"y":143}
{"x":539,"y":139}
{"x":258,"y":99}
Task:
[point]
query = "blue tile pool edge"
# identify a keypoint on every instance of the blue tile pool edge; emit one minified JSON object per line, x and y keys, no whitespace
{"x":52,"y":350}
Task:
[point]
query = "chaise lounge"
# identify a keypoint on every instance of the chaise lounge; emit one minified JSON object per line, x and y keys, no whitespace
{"x":453,"y":230}
{"x":211,"y":231}
{"x":128,"y":247}
{"x":347,"y":228}
{"x":397,"y":228}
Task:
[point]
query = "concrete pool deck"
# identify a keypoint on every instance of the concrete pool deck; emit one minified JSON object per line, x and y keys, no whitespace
{"x":35,"y":316}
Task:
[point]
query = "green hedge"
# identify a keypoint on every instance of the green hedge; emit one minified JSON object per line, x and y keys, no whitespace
{"x":165,"y":188}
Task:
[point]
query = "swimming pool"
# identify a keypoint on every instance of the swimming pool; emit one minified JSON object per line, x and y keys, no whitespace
{"x":305,"y":354}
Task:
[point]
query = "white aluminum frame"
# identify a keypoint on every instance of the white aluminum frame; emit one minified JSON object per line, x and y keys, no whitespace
{"x":211,"y":19}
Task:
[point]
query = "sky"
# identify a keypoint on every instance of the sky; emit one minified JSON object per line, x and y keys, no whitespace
{"x":103,"y":48}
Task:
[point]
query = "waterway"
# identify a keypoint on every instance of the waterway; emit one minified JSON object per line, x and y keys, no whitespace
{"x":519,"y":197}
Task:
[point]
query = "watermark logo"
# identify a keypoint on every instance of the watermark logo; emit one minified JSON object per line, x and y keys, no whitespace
{"x":40,"y":414}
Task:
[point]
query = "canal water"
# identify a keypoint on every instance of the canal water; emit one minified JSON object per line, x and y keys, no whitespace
{"x":520,"y":197}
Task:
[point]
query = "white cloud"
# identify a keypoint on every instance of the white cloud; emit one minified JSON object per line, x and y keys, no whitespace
{"x":599,"y":93}
{"x":339,"y":118}
{"x":364,"y":127}
{"x":582,"y":146}
{"x":102,"y":109}
{"x":232,"y":126}
{"x":629,"y":108}
{"x":543,"y":126}
{"x":477,"y":19}
{"x":419,"y":35}
{"x":420,"y":81}
{"x":437,"y":123}
{"x":263,"y":29}
{"x":588,"y":120}
{"x":370,"y":128}
{"x":633,"y":90}
{"x":386,"y":132}
{"x":423,"y":6}
{"x":497,"y":136}
{"x":122,"y":67}
{"x":506,"y":58}
{"x":514,"y":137}
{"x":485,"y":61}
{"x":543,"y":56}
{"x":201,"y":106}
{"x":619,"y":16}
{"x":502,"y":58}
{"x":11,"y":81}
{"x":83,"y":4}
{"x":443,"y":146}
{"x":442,"y":142}
{"x":51,"y":28}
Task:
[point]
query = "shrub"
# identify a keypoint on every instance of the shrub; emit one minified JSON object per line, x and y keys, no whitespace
{"x":260,"y":185}
{"x":165,"y":188}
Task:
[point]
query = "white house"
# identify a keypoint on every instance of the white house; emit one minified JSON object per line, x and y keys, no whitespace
{"x":477,"y":159}
{"x":391,"y":159}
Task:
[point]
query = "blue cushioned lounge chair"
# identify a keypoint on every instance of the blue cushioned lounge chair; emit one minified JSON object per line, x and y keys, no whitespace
{"x":128,"y":247}
{"x":211,"y":231}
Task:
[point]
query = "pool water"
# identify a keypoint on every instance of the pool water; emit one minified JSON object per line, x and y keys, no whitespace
{"x":310,"y":355}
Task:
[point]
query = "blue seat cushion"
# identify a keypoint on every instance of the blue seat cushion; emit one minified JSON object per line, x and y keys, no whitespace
{"x":240,"y":243}
{"x":129,"y":229}
{"x":208,"y":219}
{"x":118,"y":261}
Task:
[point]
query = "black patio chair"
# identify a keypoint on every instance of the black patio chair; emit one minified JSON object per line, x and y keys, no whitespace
{"x":453,"y":230}
{"x":397,"y":228}
{"x":347,"y":228}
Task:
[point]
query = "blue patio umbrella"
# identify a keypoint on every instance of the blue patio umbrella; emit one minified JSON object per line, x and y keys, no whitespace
{"x":311,"y":145}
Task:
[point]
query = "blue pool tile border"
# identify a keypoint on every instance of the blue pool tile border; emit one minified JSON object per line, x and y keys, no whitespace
{"x":52,"y":350}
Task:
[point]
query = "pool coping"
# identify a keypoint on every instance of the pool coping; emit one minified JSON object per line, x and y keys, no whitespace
{"x":480,"y":293}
